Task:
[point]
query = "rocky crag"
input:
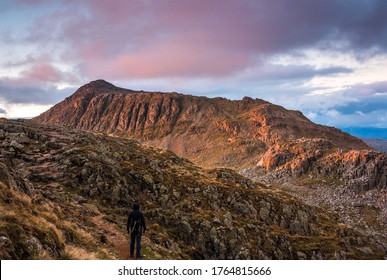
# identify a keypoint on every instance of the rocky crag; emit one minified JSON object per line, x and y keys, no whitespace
{"x":216,"y":132}
{"x":64,"y":194}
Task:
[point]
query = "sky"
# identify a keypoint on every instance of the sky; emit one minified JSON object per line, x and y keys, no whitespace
{"x":327,"y":59}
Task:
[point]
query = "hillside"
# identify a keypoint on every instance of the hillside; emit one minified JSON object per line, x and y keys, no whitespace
{"x":64,"y":195}
{"x":216,"y":132}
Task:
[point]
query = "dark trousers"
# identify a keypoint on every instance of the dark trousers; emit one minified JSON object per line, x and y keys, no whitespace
{"x":135,"y":237}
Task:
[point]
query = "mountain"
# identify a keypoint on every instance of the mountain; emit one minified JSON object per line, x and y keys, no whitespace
{"x":65,"y":193}
{"x":249,"y":135}
{"x":376,"y":143}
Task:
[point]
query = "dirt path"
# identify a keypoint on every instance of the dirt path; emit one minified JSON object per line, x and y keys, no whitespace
{"x":121,"y":244}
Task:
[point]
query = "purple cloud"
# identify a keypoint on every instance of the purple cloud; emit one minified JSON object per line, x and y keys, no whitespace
{"x":129,"y":39}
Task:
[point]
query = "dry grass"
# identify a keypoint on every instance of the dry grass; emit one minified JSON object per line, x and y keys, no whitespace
{"x":22,"y":220}
{"x":76,"y":253}
{"x":77,"y":234}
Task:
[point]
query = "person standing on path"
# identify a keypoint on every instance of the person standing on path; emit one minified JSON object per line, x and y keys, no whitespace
{"x":136,"y":226}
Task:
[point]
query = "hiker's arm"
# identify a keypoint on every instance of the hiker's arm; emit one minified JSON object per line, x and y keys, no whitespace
{"x":129,"y":222}
{"x":143,"y":222}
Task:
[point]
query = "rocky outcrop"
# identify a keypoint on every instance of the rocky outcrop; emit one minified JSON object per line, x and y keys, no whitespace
{"x":56,"y":180}
{"x":360,"y":170}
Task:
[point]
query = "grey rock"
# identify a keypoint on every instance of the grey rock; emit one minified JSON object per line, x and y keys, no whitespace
{"x":301,"y":255}
{"x":241,"y":208}
{"x":16,"y":145}
{"x":228,"y":220}
{"x":34,"y":244}
{"x":366,"y":250}
{"x":186,"y":228}
{"x":243,"y":254}
{"x":242,"y":233}
{"x":2,"y":134}
{"x":264,"y":213}
{"x":213,"y":233}
{"x":296,"y":228}
{"x":163,"y":189}
{"x":3,"y":241}
{"x":176,"y":194}
{"x":206,"y":224}
{"x":148,"y":179}
{"x":23,"y":139}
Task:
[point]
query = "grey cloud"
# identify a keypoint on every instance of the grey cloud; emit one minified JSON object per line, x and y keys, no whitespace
{"x":359,"y":105}
{"x":333,"y":70}
{"x":360,"y":24}
{"x":368,"y":89}
{"x":296,"y":73}
{"x":366,"y":98}
{"x":375,"y":118}
{"x":32,"y":94}
{"x":2,"y":111}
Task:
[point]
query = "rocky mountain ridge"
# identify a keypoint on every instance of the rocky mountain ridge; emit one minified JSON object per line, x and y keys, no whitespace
{"x":215,"y":132}
{"x":376,"y":143}
{"x":63,"y":190}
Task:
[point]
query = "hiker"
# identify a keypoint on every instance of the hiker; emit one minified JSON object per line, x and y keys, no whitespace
{"x":136,"y":226}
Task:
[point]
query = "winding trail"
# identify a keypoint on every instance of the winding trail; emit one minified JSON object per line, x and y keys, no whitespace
{"x":121,"y":244}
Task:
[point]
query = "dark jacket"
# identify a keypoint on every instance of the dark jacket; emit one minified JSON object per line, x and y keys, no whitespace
{"x":136,"y":222}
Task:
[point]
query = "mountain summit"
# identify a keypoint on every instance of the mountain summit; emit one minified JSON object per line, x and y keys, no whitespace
{"x":217,"y":132}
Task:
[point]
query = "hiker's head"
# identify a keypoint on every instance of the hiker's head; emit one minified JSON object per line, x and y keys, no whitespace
{"x":136,"y":206}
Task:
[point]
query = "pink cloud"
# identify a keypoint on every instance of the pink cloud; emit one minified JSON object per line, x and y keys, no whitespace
{"x":42,"y":73}
{"x":173,"y":58}
{"x":171,"y":38}
{"x":127,"y":39}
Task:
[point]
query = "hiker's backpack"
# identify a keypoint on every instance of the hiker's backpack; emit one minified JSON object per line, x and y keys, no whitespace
{"x":136,"y":222}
